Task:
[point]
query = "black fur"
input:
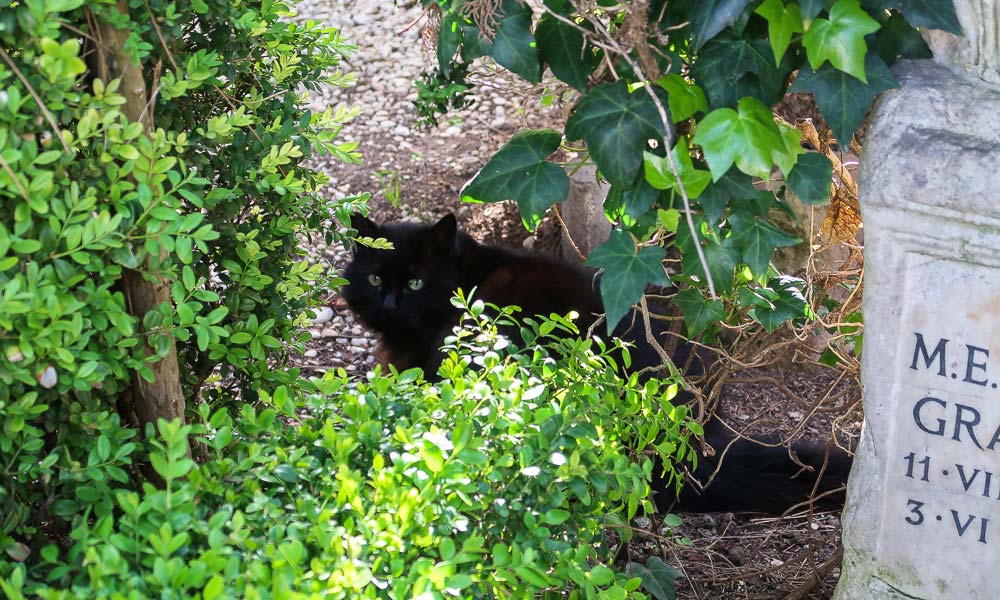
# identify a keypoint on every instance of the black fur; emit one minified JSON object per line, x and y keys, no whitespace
{"x":412,"y":325}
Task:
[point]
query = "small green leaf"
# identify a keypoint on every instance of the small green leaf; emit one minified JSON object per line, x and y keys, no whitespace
{"x":627,"y":272}
{"x":616,"y":125}
{"x":734,"y":185}
{"x":629,"y":205}
{"x":684,"y":99}
{"x":660,"y":176}
{"x":26,"y":246}
{"x":811,"y":178}
{"x":447,"y":548}
{"x":786,"y":157}
{"x":756,"y":237}
{"x":698,"y":312}
{"x":668,"y":219}
{"x":721,"y":256}
{"x":240,"y":337}
{"x":841,"y":38}
{"x":215,"y":588}
{"x":749,"y":138}
{"x":658,"y":578}
{"x":520,"y":172}
{"x":782,"y":22}
{"x":781,"y":301}
{"x":556,"y":516}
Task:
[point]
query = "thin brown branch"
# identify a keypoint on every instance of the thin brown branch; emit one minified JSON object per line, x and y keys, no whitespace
{"x":41,"y":105}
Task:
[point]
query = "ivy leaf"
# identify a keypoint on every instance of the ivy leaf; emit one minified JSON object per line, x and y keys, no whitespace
{"x":843,"y":100}
{"x":514,"y":46}
{"x":811,"y":8}
{"x":734,"y":185}
{"x":709,"y":17}
{"x":841,"y":38}
{"x":899,"y":38}
{"x":519,"y":172}
{"x":786,"y":157}
{"x":660,"y":176}
{"x":628,"y":205}
{"x":616,"y":124}
{"x":748,"y":138}
{"x":731,"y":68}
{"x":626,"y":273}
{"x":931,"y":14}
{"x":756,"y":239}
{"x":721,"y":256}
{"x":780,"y":301}
{"x":685,"y":99}
{"x":562,"y":47}
{"x":810,"y":179}
{"x":698,"y":312}
{"x":782,"y":22}
{"x":449,"y":39}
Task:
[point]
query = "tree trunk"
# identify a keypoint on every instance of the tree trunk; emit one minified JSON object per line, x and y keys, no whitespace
{"x":163,"y":397}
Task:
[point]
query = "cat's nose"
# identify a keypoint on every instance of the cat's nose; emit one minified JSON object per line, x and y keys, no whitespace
{"x":390,"y":300}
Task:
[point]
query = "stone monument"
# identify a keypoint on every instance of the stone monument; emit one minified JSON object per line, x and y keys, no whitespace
{"x":923,"y":512}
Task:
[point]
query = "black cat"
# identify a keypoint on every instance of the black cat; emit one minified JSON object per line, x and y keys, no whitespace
{"x":404,"y":295}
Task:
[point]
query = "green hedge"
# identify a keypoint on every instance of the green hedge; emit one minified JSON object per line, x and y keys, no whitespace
{"x":501,"y":481}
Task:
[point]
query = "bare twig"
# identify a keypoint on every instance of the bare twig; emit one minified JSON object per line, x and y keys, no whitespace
{"x":41,"y":105}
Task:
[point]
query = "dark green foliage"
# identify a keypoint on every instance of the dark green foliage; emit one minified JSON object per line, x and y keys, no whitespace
{"x":810,"y":180}
{"x":627,"y":271}
{"x":719,"y":66}
{"x":519,"y":171}
{"x":562,"y":48}
{"x":616,"y":124}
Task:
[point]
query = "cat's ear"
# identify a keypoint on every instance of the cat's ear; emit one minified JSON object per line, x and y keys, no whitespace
{"x":441,"y":235}
{"x":366,"y":228}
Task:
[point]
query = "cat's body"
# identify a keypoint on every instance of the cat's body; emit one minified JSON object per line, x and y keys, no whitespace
{"x":404,"y":295}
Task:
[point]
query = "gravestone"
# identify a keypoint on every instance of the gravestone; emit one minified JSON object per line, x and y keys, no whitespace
{"x":923,"y":513}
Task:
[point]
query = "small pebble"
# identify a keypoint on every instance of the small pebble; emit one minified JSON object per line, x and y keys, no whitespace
{"x":310,"y":353}
{"x":323,"y":315}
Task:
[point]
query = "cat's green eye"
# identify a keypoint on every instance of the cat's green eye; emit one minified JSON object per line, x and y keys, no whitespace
{"x":415,"y":284}
{"x":375,"y":280}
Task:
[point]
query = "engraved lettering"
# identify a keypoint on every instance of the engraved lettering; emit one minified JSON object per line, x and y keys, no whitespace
{"x":960,"y":409}
{"x":971,"y":364}
{"x":967,"y":481}
{"x":921,"y":349}
{"x":917,"y":415}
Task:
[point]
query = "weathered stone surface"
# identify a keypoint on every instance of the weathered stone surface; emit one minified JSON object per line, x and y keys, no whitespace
{"x":976,"y":52}
{"x":923,"y":513}
{"x":583,"y":213}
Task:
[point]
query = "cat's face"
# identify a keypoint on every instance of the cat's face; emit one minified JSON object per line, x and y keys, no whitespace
{"x":405,"y":290}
